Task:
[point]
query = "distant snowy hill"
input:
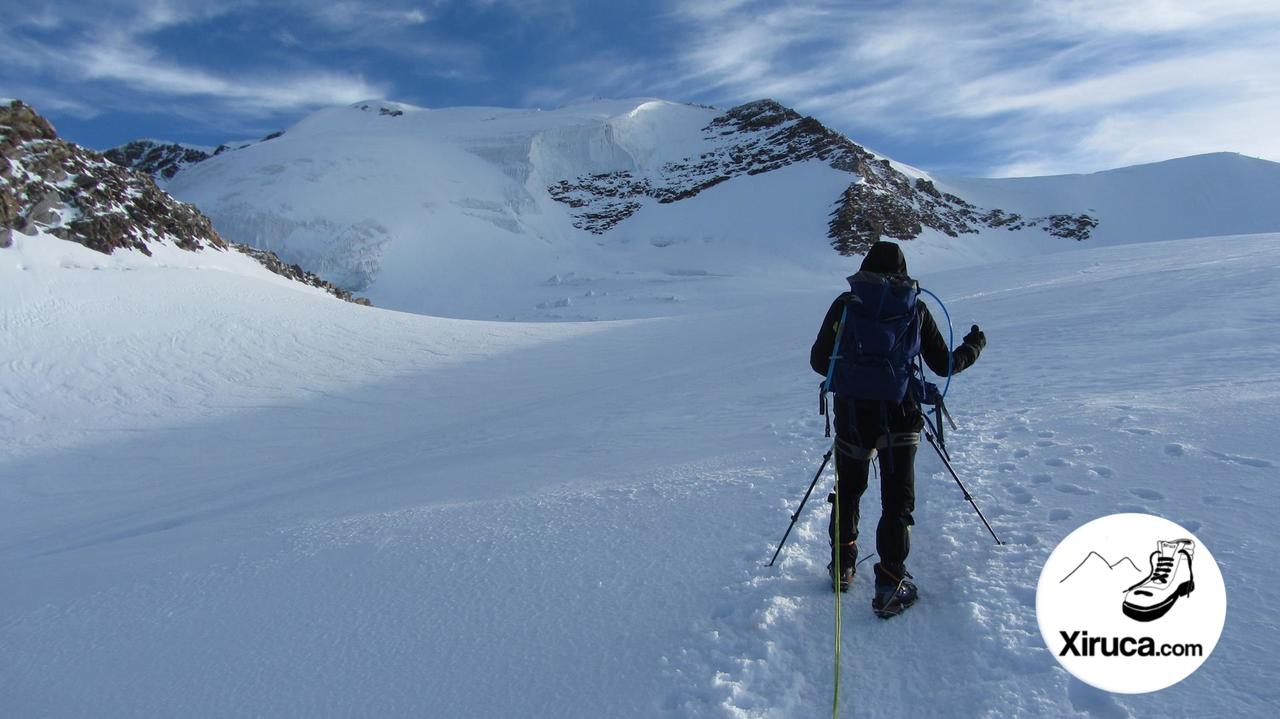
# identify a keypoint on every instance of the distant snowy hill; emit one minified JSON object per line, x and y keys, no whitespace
{"x":1222,"y":193}
{"x":528,"y":214}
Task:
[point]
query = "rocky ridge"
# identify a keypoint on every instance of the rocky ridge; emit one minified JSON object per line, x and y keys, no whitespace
{"x":763,"y":136}
{"x":158,"y":159}
{"x":79,"y":195}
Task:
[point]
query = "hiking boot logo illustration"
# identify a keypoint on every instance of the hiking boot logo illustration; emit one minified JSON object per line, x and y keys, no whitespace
{"x":1111,"y":622}
{"x":1170,"y":578}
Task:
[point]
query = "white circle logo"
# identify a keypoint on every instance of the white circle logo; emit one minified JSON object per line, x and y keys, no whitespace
{"x":1131,"y":603}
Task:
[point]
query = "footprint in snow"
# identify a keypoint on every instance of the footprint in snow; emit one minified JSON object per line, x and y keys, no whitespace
{"x":1000,"y":435}
{"x":1173,"y":449}
{"x":1068,"y":488}
{"x":1085,"y":449}
{"x":1190,"y":525}
{"x":1042,"y":478}
{"x":1132,"y":509}
{"x":1094,"y":702}
{"x":1008,"y":467}
{"x":1059,"y":514}
{"x":1020,"y":494}
{"x":1020,"y":453}
{"x":1145,"y":493}
{"x":1045,"y":443}
{"x":1101,"y":471}
{"x":1045,"y":433}
{"x":1057,"y":462}
{"x":1139,"y":430}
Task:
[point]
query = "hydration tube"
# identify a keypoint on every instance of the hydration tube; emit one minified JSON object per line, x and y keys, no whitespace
{"x":951,"y":337}
{"x":831,"y":368}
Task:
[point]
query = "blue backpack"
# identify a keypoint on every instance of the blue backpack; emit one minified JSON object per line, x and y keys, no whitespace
{"x":877,"y":340}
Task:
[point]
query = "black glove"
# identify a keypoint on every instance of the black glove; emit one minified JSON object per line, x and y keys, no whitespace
{"x":976,"y":338}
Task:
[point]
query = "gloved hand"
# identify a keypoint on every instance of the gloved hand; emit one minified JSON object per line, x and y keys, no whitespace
{"x":976,"y":338}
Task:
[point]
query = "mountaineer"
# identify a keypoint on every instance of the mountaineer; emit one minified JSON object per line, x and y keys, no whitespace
{"x":877,"y":383}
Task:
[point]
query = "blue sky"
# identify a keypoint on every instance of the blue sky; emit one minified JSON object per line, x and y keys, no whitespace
{"x":966,"y":87}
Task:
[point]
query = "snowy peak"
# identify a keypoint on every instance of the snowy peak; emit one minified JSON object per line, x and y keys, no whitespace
{"x":383,"y":109}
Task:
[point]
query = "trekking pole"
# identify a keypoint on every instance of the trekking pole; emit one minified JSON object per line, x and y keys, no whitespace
{"x":947,"y":463}
{"x":825,"y":458}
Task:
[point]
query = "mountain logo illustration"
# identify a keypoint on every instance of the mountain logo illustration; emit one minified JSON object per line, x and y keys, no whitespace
{"x":1110,"y":565}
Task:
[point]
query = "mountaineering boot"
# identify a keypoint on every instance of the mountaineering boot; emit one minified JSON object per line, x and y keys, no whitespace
{"x":1169,"y":579}
{"x":848,"y":563}
{"x":894,"y":591}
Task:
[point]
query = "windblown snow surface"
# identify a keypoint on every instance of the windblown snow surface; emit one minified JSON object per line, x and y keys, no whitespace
{"x":222,"y":496}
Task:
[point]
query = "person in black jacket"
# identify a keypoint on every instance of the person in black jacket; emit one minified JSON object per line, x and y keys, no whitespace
{"x":866,"y":429}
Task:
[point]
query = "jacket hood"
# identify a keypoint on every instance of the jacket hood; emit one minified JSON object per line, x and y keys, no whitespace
{"x":886,"y":258}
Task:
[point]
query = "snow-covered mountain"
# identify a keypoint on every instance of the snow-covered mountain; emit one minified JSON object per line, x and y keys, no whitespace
{"x":642,"y":198}
{"x":56,"y":197}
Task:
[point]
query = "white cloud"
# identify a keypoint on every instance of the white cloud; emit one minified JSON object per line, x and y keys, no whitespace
{"x":1055,"y":85}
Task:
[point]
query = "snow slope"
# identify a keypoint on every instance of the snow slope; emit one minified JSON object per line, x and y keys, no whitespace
{"x":227,"y":497}
{"x":449,"y":211}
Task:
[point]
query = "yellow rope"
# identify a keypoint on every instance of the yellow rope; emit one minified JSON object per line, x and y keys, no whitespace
{"x":835,"y":581}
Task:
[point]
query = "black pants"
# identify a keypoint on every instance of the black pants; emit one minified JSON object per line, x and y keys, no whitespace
{"x":864,"y":425}
{"x":897,"y":501}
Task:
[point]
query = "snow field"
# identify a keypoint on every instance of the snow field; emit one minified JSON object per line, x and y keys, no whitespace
{"x":268,"y":502}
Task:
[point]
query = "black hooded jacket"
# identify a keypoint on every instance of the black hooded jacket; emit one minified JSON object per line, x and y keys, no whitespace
{"x":887,"y":258}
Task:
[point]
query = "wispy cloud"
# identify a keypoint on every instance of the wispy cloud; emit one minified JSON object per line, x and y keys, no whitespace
{"x":91,"y":48}
{"x":357,"y":15}
{"x":143,"y":70}
{"x":1048,"y":86}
